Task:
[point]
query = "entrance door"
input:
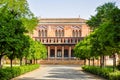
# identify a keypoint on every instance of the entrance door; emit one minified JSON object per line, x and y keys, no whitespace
{"x":59,"y":53}
{"x":65,"y":53}
{"x":52,"y":53}
{"x":72,"y":53}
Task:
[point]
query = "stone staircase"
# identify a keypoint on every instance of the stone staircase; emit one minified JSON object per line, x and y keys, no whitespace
{"x":62,"y":62}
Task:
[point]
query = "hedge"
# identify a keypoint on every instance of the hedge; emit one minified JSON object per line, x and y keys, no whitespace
{"x":114,"y":75}
{"x":103,"y":72}
{"x":9,"y":73}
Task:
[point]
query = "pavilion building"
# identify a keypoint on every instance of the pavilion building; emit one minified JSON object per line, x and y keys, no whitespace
{"x":60,"y":35}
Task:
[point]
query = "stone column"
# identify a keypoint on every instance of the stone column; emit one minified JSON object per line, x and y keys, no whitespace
{"x":55,"y":52}
{"x":62,"y":52}
{"x":69,"y":52}
{"x":48,"y":52}
{"x":77,"y":40}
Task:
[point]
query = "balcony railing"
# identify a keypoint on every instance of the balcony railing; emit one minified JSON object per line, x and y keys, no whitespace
{"x":58,"y":40}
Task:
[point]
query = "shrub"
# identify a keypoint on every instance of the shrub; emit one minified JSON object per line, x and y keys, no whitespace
{"x":114,"y":75}
{"x":8,"y":73}
{"x":118,"y":66}
{"x":103,"y":72}
{"x":106,"y":72}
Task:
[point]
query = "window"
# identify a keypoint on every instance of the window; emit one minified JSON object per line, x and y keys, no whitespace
{"x":79,"y":33}
{"x":42,"y":31}
{"x":73,"y":33}
{"x":39,"y":33}
{"x":42,"y":34}
{"x":56,"y":33}
{"x":45,"y":33}
{"x":62,"y":33}
{"x":59,"y":31}
{"x":76,"y":32}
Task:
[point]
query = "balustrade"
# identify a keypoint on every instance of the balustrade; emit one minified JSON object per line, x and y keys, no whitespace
{"x":58,"y":40}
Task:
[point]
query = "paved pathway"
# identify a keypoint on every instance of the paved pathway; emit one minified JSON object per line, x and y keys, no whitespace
{"x":58,"y":72}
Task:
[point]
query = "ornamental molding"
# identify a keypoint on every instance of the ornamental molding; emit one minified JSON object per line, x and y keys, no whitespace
{"x":59,"y":27}
{"x":42,"y":27}
{"x":76,"y":27}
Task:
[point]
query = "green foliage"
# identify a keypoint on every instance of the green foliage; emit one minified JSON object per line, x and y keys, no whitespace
{"x":103,"y":14}
{"x":103,"y":72}
{"x":8,"y":73}
{"x":30,"y":23}
{"x":15,"y":20}
{"x":114,"y":75}
{"x":88,"y":47}
{"x":105,"y":38}
{"x":82,"y":49}
{"x":36,"y":50}
{"x":118,"y":66}
{"x":24,"y":47}
{"x":21,"y":10}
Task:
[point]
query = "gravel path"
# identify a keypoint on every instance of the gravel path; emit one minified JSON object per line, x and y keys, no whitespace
{"x":58,"y":72}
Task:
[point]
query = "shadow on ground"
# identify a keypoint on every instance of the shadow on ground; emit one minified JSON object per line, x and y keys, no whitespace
{"x":63,"y":73}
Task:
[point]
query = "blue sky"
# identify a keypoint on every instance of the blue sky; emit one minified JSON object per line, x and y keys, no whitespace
{"x":66,"y":8}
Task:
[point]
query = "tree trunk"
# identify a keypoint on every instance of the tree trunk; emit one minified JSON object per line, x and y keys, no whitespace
{"x":0,"y":62}
{"x":11,"y":63}
{"x":85,"y":62}
{"x":30,"y":61}
{"x":114,"y":62}
{"x":98,"y":62}
{"x":89,"y":62}
{"x":102,"y":61}
{"x":20,"y":61}
{"x":93,"y":62}
{"x":1,"y":56}
{"x":25,"y":61}
{"x":36,"y":61}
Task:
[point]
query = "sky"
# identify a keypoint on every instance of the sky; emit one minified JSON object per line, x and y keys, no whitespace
{"x":66,"y":8}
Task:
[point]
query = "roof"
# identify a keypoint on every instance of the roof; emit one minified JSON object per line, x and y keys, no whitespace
{"x":61,"y":20}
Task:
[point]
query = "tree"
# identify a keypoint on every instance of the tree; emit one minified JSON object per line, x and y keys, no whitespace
{"x":24,"y":48}
{"x":107,"y":22}
{"x":102,"y":15}
{"x":14,"y":19}
{"x":20,"y":9}
{"x":16,"y":40}
{"x":82,"y":49}
{"x":36,"y":51}
{"x":10,"y":28}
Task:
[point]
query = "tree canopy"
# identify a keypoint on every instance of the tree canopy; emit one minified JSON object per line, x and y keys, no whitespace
{"x":15,"y":20}
{"x":105,"y":38}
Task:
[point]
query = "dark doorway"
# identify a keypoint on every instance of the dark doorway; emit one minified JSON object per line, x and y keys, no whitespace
{"x":65,"y":53}
{"x":72,"y":53}
{"x":52,"y":53}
